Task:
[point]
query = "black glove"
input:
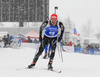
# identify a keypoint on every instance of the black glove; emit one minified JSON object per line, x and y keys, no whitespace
{"x":59,"y":39}
{"x":40,"y":39}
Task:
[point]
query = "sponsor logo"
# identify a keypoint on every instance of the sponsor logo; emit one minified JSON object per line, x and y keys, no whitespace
{"x":54,"y":17}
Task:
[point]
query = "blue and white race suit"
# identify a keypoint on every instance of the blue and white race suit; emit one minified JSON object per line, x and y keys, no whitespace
{"x":51,"y":31}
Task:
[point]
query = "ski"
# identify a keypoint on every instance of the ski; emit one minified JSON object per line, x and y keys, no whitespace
{"x":21,"y":69}
{"x":56,"y":71}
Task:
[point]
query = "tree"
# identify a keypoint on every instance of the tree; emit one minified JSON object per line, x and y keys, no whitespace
{"x":98,"y":33}
{"x":87,"y":30}
{"x":68,"y":29}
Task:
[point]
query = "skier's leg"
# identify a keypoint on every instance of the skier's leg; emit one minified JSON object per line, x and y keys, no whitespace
{"x":41,"y":48}
{"x":49,"y":50}
{"x":46,"y":48}
{"x":53,"y":47}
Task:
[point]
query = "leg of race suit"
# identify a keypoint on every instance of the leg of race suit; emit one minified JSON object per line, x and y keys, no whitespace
{"x":41,"y":48}
{"x":45,"y":55}
{"x":53,"y":47}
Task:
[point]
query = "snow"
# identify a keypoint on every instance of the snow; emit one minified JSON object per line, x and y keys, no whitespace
{"x":73,"y":65}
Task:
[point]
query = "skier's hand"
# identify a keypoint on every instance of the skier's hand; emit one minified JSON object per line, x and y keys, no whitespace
{"x":59,"y":39}
{"x":40,"y":39}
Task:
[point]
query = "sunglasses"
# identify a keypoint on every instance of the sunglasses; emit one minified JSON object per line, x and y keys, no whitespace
{"x":53,"y":20}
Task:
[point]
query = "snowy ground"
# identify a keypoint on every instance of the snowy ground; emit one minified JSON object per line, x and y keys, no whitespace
{"x":74,"y":64}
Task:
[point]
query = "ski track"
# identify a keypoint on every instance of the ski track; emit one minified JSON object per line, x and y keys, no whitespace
{"x":74,"y":64}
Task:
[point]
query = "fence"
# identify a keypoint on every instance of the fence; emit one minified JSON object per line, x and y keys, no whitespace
{"x":87,"y":51}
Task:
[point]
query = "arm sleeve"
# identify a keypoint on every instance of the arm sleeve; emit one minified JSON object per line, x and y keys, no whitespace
{"x":62,"y":28}
{"x":44,"y":24}
{"x":61,"y":45}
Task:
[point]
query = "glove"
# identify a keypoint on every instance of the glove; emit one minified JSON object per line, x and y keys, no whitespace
{"x":40,"y":39}
{"x":59,"y":39}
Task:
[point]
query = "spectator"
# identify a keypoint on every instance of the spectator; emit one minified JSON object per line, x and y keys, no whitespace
{"x":4,"y":40}
{"x":35,"y":40}
{"x":24,"y":40}
{"x":70,"y":43}
{"x":29,"y":40}
{"x":78,"y":45}
{"x":8,"y":39}
{"x":73,"y":44}
{"x":97,"y":46}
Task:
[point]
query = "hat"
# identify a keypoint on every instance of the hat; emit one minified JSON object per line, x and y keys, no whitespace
{"x":54,"y":16}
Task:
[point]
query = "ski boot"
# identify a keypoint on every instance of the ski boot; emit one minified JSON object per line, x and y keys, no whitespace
{"x":63,"y":49}
{"x":48,"y":54}
{"x":45,"y":56}
{"x":50,"y":66}
{"x":31,"y":65}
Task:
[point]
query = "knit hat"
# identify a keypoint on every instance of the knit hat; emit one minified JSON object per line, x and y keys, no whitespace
{"x":54,"y":16}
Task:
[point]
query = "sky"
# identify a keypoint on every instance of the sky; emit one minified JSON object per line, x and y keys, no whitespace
{"x":79,"y":11}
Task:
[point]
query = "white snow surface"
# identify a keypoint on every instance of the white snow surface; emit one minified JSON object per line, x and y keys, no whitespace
{"x":73,"y":65}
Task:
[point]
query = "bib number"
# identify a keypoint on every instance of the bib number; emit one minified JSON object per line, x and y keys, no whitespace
{"x":51,"y":33}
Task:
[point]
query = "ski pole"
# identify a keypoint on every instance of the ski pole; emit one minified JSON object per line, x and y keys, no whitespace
{"x":61,"y":56}
{"x":58,"y":50}
{"x":37,"y":48}
{"x":61,"y":52}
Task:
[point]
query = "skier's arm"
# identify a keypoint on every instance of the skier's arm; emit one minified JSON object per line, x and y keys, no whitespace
{"x":44,"y":24}
{"x":62,"y":31}
{"x":61,"y":44}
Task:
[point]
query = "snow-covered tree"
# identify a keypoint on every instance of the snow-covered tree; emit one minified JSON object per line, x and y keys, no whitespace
{"x":87,"y":30}
{"x":68,"y":29}
{"x":98,"y":33}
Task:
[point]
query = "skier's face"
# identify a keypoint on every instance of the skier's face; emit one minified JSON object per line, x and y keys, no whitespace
{"x":53,"y":22}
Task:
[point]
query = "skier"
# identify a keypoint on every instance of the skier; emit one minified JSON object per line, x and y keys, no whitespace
{"x":20,"y":39}
{"x":46,"y":49}
{"x":50,"y":36}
